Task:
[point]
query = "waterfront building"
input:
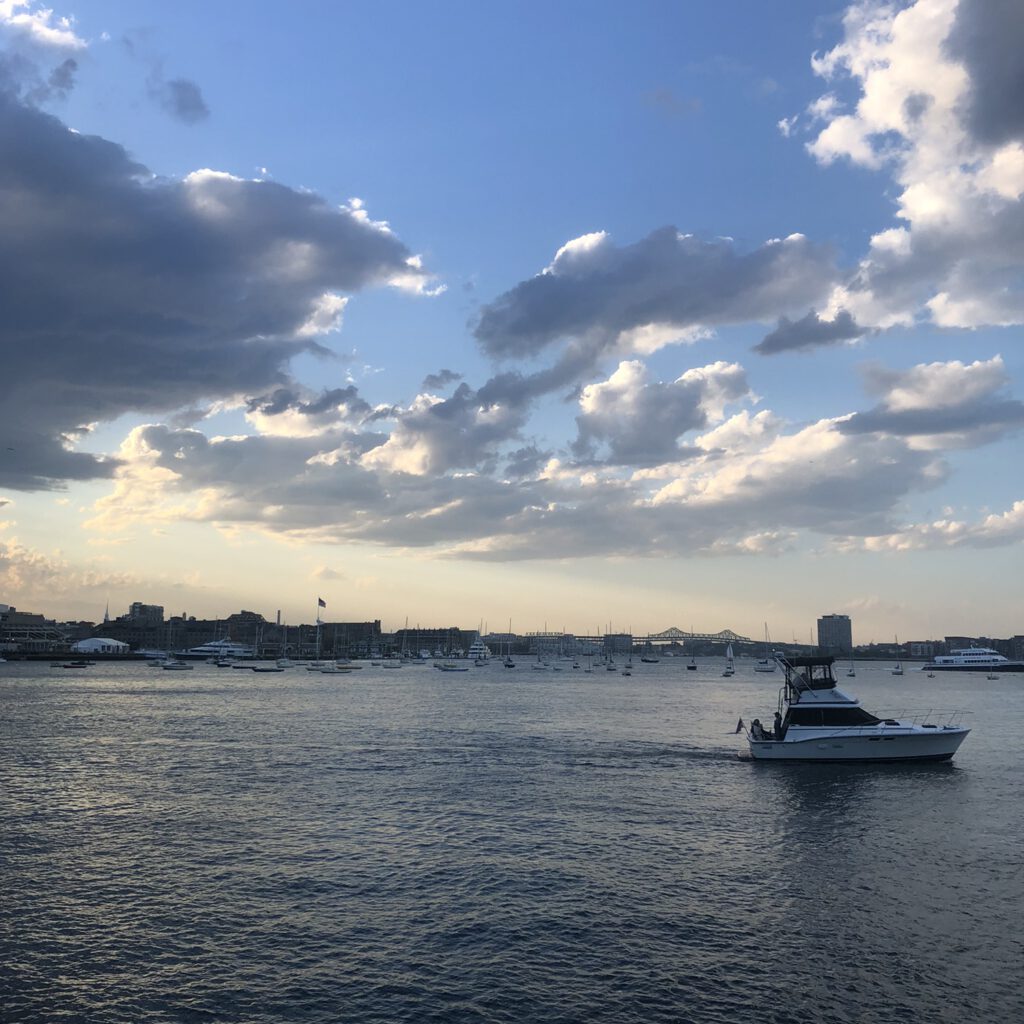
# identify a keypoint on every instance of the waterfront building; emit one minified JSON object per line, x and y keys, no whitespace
{"x":29,"y":632}
{"x":835,"y":634}
{"x":618,"y":643}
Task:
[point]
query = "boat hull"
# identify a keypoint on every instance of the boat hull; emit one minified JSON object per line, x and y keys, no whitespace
{"x":1006,"y":666}
{"x":918,"y":745}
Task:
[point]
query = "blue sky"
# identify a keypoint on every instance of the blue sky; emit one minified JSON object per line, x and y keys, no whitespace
{"x":844,"y":183}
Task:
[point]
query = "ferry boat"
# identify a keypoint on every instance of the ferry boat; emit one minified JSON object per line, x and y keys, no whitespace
{"x":816,"y":721}
{"x":973,"y":659}
{"x":218,"y":649}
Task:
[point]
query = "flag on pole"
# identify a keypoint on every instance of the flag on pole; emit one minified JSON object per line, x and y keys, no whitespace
{"x":321,"y":603}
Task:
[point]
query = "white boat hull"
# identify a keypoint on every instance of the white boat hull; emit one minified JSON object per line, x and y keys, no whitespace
{"x":905,"y":744}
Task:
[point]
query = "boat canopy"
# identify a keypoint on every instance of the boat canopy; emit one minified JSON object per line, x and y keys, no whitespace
{"x":809,"y":673}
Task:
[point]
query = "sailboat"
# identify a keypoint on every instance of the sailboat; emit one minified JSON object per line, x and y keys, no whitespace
{"x":767,"y":663}
{"x":898,"y":669}
{"x":508,"y":662}
{"x":851,"y":672}
{"x":730,"y":668}
{"x":691,"y":665}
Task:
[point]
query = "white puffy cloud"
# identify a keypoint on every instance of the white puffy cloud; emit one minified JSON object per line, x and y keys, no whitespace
{"x":39,"y":25}
{"x":641,"y":420}
{"x":941,"y":405}
{"x":924,"y":88}
{"x":997,"y":529}
{"x":667,"y":287}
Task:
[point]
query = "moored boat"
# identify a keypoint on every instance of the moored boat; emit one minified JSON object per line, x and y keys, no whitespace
{"x":973,"y":659}
{"x":816,"y":721}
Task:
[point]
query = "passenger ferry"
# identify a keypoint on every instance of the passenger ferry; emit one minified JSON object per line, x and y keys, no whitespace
{"x":816,"y":721}
{"x":973,"y":659}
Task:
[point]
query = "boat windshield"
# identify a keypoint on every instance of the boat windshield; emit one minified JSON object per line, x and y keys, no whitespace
{"x":809,"y":673}
{"x":831,"y":717}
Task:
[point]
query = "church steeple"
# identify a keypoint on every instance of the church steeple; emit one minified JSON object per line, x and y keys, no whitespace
{"x":106,"y":613}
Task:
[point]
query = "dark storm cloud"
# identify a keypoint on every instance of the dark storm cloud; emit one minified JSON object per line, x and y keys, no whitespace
{"x":809,"y":332}
{"x":597,"y":291}
{"x":123,"y":292}
{"x":988,"y":37}
{"x":181,"y":98}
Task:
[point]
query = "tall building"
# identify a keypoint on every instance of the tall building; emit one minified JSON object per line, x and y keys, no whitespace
{"x":835,"y":634}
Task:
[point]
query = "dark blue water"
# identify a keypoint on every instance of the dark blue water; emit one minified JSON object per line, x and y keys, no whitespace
{"x":493,"y":846}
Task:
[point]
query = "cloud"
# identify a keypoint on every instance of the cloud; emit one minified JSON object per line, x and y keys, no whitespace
{"x":292,"y":412}
{"x":988,"y":38}
{"x":36,"y":576}
{"x":441,"y":379}
{"x":25,"y":20}
{"x":947,"y":405}
{"x":603,"y":295}
{"x":641,"y":421}
{"x":180,"y":97}
{"x":125,"y":292}
{"x":809,"y":332}
{"x":325,"y":572}
{"x":938,"y":107}
{"x":994,"y":530}
{"x":461,"y":432}
{"x":749,"y":484}
{"x":671,"y":104}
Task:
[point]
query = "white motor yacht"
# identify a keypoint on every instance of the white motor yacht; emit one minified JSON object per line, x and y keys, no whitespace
{"x":218,"y":649}
{"x":818,"y":722}
{"x":973,"y":659}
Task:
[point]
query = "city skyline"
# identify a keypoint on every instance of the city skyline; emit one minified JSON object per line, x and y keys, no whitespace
{"x":151,"y":615}
{"x":550,"y":315}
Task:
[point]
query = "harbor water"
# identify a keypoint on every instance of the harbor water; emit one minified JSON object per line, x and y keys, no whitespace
{"x":495,"y":846}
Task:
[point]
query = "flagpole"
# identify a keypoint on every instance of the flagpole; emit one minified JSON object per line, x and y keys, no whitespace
{"x":318,"y":629}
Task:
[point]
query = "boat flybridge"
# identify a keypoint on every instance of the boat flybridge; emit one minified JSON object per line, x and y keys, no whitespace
{"x":816,"y":721}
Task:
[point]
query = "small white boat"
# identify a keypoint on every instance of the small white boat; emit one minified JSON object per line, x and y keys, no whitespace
{"x":452,"y":666}
{"x":176,"y":666}
{"x":816,"y":721}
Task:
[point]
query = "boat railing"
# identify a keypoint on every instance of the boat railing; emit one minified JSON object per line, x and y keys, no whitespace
{"x":939,"y":717}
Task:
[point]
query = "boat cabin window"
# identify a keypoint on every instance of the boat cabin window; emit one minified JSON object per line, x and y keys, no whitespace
{"x":831,"y":717}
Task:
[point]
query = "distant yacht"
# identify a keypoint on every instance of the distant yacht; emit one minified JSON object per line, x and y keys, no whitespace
{"x":479,"y":652}
{"x":973,"y":659}
{"x":218,"y":649}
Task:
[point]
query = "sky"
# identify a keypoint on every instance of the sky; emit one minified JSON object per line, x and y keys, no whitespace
{"x":572,"y":315}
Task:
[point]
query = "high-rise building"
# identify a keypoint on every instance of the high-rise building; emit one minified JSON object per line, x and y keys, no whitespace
{"x":835,"y":634}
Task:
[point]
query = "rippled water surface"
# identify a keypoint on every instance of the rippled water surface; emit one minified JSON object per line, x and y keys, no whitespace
{"x":412,"y":845}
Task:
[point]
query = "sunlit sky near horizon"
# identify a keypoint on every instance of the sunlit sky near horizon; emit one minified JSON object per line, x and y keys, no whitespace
{"x":572,"y":314}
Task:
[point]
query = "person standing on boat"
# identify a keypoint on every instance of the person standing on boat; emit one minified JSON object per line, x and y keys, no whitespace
{"x":778,"y":726}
